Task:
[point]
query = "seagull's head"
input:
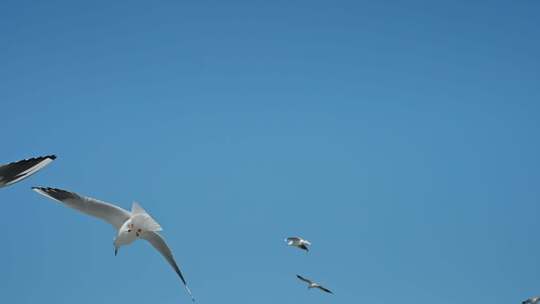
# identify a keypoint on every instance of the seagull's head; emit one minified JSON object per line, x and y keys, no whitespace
{"x":127,"y":233}
{"x":131,"y":228}
{"x":126,"y":228}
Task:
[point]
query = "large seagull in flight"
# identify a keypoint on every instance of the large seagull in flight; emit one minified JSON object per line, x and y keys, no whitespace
{"x":131,"y":225}
{"x":17,"y":171}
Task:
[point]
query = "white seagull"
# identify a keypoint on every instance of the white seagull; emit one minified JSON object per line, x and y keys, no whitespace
{"x":312,"y":284}
{"x":532,"y":300}
{"x":130,"y":225}
{"x":17,"y":171}
{"x":298,"y":242}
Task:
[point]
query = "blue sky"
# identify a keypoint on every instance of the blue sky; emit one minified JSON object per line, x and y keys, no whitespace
{"x":400,"y":138}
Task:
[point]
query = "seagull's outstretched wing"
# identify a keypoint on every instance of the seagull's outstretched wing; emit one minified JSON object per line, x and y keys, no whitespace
{"x":325,"y":289}
{"x":17,"y":171}
{"x":532,"y":300}
{"x":159,"y":243}
{"x":110,"y":213}
{"x":304,"y":279}
{"x":293,"y":239}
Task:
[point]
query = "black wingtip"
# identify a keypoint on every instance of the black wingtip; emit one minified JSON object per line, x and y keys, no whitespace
{"x":44,"y":188}
{"x":52,"y":156}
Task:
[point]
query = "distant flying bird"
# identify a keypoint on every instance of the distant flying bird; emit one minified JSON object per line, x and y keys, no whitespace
{"x":17,"y":171}
{"x":298,"y":242}
{"x":312,"y":284}
{"x":137,"y":224}
{"x":532,"y":300}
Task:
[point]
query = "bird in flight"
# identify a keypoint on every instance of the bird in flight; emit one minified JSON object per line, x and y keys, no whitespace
{"x":312,"y":284}
{"x":17,"y":171}
{"x":298,"y":242}
{"x":532,"y":300}
{"x":131,"y":225}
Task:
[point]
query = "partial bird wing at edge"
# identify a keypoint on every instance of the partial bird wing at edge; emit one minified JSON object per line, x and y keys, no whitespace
{"x":19,"y":170}
{"x":159,"y":243}
{"x":110,"y":213}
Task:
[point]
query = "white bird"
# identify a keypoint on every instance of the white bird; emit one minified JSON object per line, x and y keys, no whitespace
{"x":17,"y":171}
{"x":312,"y":284}
{"x":532,"y":300}
{"x":130,"y":225}
{"x":298,"y":242}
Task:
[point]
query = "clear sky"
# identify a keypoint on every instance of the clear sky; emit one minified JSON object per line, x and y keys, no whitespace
{"x":400,"y":138}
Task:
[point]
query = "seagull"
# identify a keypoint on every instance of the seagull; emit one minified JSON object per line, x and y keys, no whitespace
{"x":17,"y":171}
{"x":298,"y":242}
{"x":532,"y":300}
{"x":312,"y":284}
{"x":131,"y":225}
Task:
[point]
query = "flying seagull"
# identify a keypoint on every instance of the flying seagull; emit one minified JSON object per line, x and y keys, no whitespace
{"x":298,"y":242}
{"x":312,"y":284}
{"x":532,"y":300}
{"x":17,"y":171}
{"x":137,"y":224}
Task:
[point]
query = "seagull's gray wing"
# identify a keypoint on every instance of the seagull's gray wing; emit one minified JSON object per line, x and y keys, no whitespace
{"x":159,"y":243}
{"x":294,"y":239}
{"x":325,"y":289}
{"x":17,"y":171}
{"x":110,"y":213}
{"x":304,"y":279}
